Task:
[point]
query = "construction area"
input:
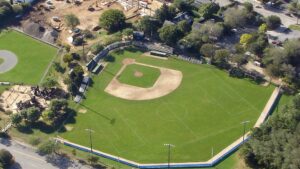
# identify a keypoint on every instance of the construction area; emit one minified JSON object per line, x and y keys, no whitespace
{"x":50,"y":14}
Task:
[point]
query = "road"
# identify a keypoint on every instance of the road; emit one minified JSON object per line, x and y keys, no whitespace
{"x":27,"y":158}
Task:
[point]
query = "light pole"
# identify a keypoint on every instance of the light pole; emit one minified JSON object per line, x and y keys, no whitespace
{"x":244,"y":123}
{"x":91,"y":143}
{"x":169,"y":153}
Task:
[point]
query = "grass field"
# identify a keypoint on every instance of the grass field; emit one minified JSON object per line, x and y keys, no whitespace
{"x":205,"y":112}
{"x":33,"y":57}
{"x":295,"y":27}
{"x":1,"y":61}
{"x":148,"y":76}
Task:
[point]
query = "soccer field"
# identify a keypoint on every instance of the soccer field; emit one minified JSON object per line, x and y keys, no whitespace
{"x":204,"y":113}
{"x":33,"y":57}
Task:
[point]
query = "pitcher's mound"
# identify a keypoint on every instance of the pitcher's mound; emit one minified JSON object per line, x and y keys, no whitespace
{"x":138,"y":74}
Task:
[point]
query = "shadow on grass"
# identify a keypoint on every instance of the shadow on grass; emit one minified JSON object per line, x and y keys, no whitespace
{"x":57,"y":125}
{"x":109,"y":58}
{"x":111,"y":120}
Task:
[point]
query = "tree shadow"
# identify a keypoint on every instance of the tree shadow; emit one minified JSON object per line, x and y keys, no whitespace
{"x":60,"y":162}
{"x":16,"y":165}
{"x":5,"y":141}
{"x":24,"y":129}
{"x":111,"y":120}
{"x":109,"y":58}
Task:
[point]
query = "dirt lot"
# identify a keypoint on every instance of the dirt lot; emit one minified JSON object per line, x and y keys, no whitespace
{"x":88,"y":19}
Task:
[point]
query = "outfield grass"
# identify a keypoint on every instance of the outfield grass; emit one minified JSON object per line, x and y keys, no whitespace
{"x":33,"y":57}
{"x":205,"y":112}
{"x":147,"y":79}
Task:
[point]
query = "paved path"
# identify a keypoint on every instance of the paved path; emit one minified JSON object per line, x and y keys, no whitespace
{"x":10,"y":60}
{"x":27,"y":158}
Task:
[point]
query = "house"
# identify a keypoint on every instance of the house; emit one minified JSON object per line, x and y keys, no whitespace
{"x":183,"y":16}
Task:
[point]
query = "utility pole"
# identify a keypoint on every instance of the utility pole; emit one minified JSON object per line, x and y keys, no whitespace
{"x":244,"y":123}
{"x":90,"y":133}
{"x":169,"y":153}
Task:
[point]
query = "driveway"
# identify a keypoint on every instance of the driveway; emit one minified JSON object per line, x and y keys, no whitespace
{"x":27,"y":158}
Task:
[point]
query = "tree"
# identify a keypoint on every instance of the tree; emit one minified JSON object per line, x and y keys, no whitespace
{"x":208,"y":50}
{"x":17,"y":9}
{"x":112,"y":20}
{"x":33,"y":114}
{"x":294,"y":7}
{"x":165,"y":13}
{"x":184,"y":27}
{"x":292,"y":50}
{"x":48,"y":148}
{"x":16,"y":119}
{"x":57,"y":67}
{"x":127,"y":32}
{"x":239,"y":59}
{"x":148,"y":25}
{"x":245,"y":39}
{"x":50,"y":82}
{"x":273,"y":22}
{"x":276,"y":143}
{"x":235,"y":17}
{"x":68,"y":58}
{"x":170,"y":34}
{"x":263,"y":28}
{"x":72,"y":20}
{"x":95,"y":49}
{"x":6,"y":158}
{"x":207,"y":10}
{"x":221,"y":57}
{"x":183,"y":5}
{"x":214,"y":30}
{"x":248,"y":6}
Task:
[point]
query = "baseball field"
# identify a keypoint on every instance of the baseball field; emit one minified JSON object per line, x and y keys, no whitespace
{"x":32,"y":58}
{"x":200,"y":115}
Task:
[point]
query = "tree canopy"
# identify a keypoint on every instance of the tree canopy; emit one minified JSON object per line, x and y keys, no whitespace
{"x":235,"y":17}
{"x":170,"y":34}
{"x":112,"y":20}
{"x":72,"y":20}
{"x":276,"y":144}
